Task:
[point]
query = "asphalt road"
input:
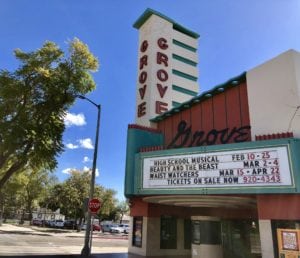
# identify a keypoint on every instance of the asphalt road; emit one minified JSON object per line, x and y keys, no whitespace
{"x":17,"y":240}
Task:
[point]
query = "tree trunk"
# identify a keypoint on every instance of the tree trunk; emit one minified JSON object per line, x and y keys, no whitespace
{"x":15,"y":167}
{"x":121,"y":218}
{"x":1,"y":207}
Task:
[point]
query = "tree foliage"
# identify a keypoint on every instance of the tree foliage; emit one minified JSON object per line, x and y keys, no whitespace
{"x":34,"y":183}
{"x":33,"y":189}
{"x":34,"y":100}
{"x":23,"y":191}
{"x":70,"y":195}
{"x":122,"y":209}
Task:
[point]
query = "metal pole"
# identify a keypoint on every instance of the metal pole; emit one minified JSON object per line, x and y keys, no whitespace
{"x":92,"y":232}
{"x":86,"y":250}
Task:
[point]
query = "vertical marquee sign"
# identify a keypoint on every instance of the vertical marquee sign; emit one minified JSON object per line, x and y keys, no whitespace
{"x":259,"y":167}
{"x":153,"y":82}
{"x":167,"y":65}
{"x":161,"y":76}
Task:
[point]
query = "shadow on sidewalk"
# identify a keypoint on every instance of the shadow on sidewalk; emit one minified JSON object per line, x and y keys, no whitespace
{"x":109,"y":255}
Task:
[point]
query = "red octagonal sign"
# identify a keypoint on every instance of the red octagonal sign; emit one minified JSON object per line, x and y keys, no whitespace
{"x":94,"y":205}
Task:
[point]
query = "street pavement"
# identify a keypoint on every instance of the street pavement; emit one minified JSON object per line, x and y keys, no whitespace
{"x":19,"y":241}
{"x":38,"y":242}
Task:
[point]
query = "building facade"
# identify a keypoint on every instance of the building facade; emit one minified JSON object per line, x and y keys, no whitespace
{"x":215,"y":174}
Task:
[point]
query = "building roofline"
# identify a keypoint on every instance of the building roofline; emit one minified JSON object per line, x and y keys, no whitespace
{"x":205,"y":95}
{"x":148,"y":12}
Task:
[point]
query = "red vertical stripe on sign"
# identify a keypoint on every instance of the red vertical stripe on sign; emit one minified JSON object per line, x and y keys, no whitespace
{"x":196,"y":117}
{"x":220,"y":116}
{"x":233,"y":108}
{"x":175,"y":123}
{"x":207,"y":115}
{"x":168,"y":130}
{"x":244,"y":104}
{"x":186,"y":116}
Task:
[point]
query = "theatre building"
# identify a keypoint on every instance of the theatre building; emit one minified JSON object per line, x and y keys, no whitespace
{"x":217,"y":173}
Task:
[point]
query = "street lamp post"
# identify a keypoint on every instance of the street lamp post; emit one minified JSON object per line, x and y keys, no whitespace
{"x":86,"y":250}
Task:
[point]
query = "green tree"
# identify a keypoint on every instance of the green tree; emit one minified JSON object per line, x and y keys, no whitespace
{"x":34,"y":100}
{"x":70,"y":195}
{"x":34,"y":183}
{"x":108,"y":202}
{"x":23,"y":191}
{"x":122,"y":209}
{"x":10,"y":198}
{"x":76,"y":189}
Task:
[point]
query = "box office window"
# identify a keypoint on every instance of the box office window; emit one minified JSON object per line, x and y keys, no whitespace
{"x":168,"y":233}
{"x":137,"y":231}
{"x":206,"y":232}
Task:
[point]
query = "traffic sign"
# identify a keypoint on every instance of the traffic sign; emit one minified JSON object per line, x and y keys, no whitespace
{"x":94,"y":205}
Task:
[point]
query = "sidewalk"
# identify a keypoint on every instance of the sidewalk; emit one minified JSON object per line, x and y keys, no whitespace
{"x":14,"y":228}
{"x":108,"y":255}
{"x":15,"y":242}
{"x":69,"y":252}
{"x":34,"y":230}
{"x":52,"y":231}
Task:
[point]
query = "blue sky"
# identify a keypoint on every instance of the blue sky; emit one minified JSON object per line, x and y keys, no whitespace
{"x":235,"y":36}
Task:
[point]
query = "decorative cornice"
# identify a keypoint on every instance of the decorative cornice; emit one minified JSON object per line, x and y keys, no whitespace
{"x":152,"y":148}
{"x":146,"y":15}
{"x":274,"y":136}
{"x":144,"y":128}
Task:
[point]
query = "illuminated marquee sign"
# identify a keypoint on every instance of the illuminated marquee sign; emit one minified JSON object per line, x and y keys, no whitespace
{"x":261,"y":167}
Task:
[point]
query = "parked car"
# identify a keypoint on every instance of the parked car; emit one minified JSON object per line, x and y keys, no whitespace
{"x":126,"y":230}
{"x":121,"y":228}
{"x":106,"y":227}
{"x":83,"y":227}
{"x":37,"y":222}
{"x":70,"y":224}
{"x":96,"y":227}
{"x":47,"y":223}
{"x":59,"y":223}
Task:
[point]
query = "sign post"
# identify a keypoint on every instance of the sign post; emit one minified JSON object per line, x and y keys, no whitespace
{"x":94,"y":206}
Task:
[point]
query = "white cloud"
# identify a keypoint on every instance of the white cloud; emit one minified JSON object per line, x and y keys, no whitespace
{"x":67,"y":170}
{"x":72,"y":146}
{"x":74,"y":119}
{"x":85,"y":168}
{"x":86,"y":159}
{"x":83,"y":143}
{"x":86,"y":143}
{"x":90,"y":170}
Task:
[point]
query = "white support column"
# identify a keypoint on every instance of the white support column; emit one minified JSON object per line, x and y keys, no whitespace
{"x":266,"y":239}
{"x":208,"y":246}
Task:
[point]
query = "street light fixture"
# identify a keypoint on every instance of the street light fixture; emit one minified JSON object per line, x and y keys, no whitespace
{"x":86,"y":250}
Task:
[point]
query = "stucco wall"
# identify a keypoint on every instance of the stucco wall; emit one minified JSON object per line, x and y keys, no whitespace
{"x":274,"y":95}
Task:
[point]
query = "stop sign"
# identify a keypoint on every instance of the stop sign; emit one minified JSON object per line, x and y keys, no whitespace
{"x":94,"y":205}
